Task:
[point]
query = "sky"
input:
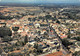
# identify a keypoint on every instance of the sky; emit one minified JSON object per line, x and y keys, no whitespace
{"x":41,"y":1}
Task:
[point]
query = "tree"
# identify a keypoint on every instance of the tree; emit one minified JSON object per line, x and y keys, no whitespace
{"x":53,"y":18}
{"x":15,"y":28}
{"x":20,"y":43}
{"x":48,"y":16}
{"x":38,"y":48}
{"x":26,"y":39}
{"x":76,"y":53}
{"x":66,"y":43}
{"x":45,"y":33}
{"x":40,"y":17}
{"x":29,"y":19}
{"x":39,"y":32}
{"x":58,"y":22}
{"x":69,"y":34}
{"x":5,"y":17}
{"x":5,"y":31}
{"x":1,"y":51}
{"x":35,"y":45}
{"x":34,"y":19}
{"x":7,"y":39}
{"x":37,"y":39}
{"x":76,"y":38}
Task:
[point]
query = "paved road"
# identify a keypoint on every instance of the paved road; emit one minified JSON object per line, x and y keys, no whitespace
{"x":60,"y":40}
{"x":65,"y":51}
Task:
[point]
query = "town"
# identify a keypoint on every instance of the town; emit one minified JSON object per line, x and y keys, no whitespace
{"x":39,"y":31}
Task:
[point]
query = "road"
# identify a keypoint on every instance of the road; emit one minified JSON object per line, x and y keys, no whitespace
{"x":60,"y":40}
{"x":65,"y":51}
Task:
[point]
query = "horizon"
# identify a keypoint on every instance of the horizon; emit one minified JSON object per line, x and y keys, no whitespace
{"x":25,"y":3}
{"x":40,"y":1}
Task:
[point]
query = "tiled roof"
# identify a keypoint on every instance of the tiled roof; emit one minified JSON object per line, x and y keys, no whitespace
{"x":55,"y":54}
{"x":60,"y":53}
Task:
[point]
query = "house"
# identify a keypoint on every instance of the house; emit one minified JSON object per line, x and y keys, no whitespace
{"x":72,"y":48}
{"x":46,"y":48}
{"x":32,"y":42}
{"x":23,"y":33}
{"x":37,"y":25}
{"x":20,"y":30}
{"x":43,"y":31}
{"x":63,"y":36}
{"x":2,"y":24}
{"x":60,"y":53}
{"x":13,"y":42}
{"x":53,"y":49}
{"x":43,"y":25}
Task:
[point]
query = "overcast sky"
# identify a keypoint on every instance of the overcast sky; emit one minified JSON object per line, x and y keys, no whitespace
{"x":43,"y":1}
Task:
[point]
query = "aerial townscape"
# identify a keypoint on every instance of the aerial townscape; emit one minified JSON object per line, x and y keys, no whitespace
{"x":40,"y":30}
